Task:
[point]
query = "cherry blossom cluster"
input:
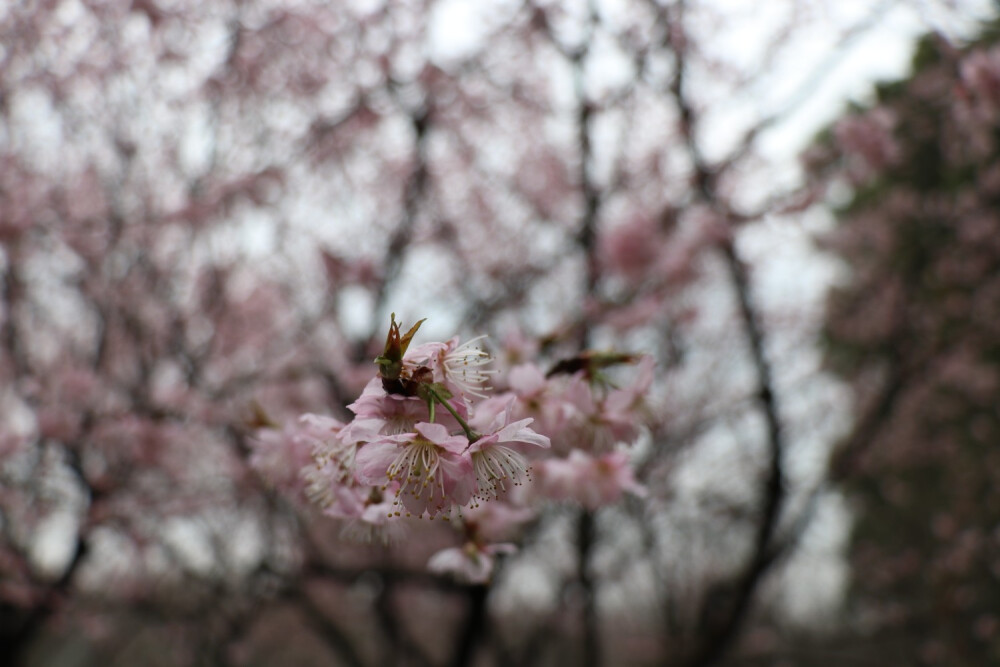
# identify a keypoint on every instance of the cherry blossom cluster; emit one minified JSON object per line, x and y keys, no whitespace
{"x":428,"y":440}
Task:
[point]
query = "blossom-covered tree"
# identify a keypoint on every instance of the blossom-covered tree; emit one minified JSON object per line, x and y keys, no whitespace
{"x":915,"y":328}
{"x":217,"y":443}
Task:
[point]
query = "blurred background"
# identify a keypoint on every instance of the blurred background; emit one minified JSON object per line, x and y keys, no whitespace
{"x":208,"y":210}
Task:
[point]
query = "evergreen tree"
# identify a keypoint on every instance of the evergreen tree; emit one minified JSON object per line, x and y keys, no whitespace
{"x":916,"y":331}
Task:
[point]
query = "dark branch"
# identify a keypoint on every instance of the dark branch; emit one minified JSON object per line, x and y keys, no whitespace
{"x":721,"y":625}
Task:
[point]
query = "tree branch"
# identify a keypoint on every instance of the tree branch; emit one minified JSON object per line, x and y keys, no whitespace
{"x":721,"y":626}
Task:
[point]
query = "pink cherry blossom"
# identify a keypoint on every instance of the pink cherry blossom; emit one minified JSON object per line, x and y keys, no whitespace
{"x":588,"y":480}
{"x":281,"y":455}
{"x":496,"y":464}
{"x":398,"y":414}
{"x":499,"y":520}
{"x":471,"y":563}
{"x":432,"y":468}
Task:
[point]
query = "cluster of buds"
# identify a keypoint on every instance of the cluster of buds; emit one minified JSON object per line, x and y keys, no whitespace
{"x":427,"y":439}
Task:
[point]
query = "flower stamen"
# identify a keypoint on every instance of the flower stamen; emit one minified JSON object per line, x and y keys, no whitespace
{"x":497,"y":465}
{"x":463,"y":368}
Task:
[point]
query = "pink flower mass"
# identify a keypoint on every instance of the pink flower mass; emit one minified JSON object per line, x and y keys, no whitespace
{"x":427,"y":441}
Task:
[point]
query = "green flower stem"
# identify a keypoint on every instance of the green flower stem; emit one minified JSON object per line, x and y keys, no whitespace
{"x":469,"y":433}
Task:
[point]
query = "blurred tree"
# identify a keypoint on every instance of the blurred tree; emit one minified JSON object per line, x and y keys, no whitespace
{"x":208,"y":211}
{"x":915,"y":328}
